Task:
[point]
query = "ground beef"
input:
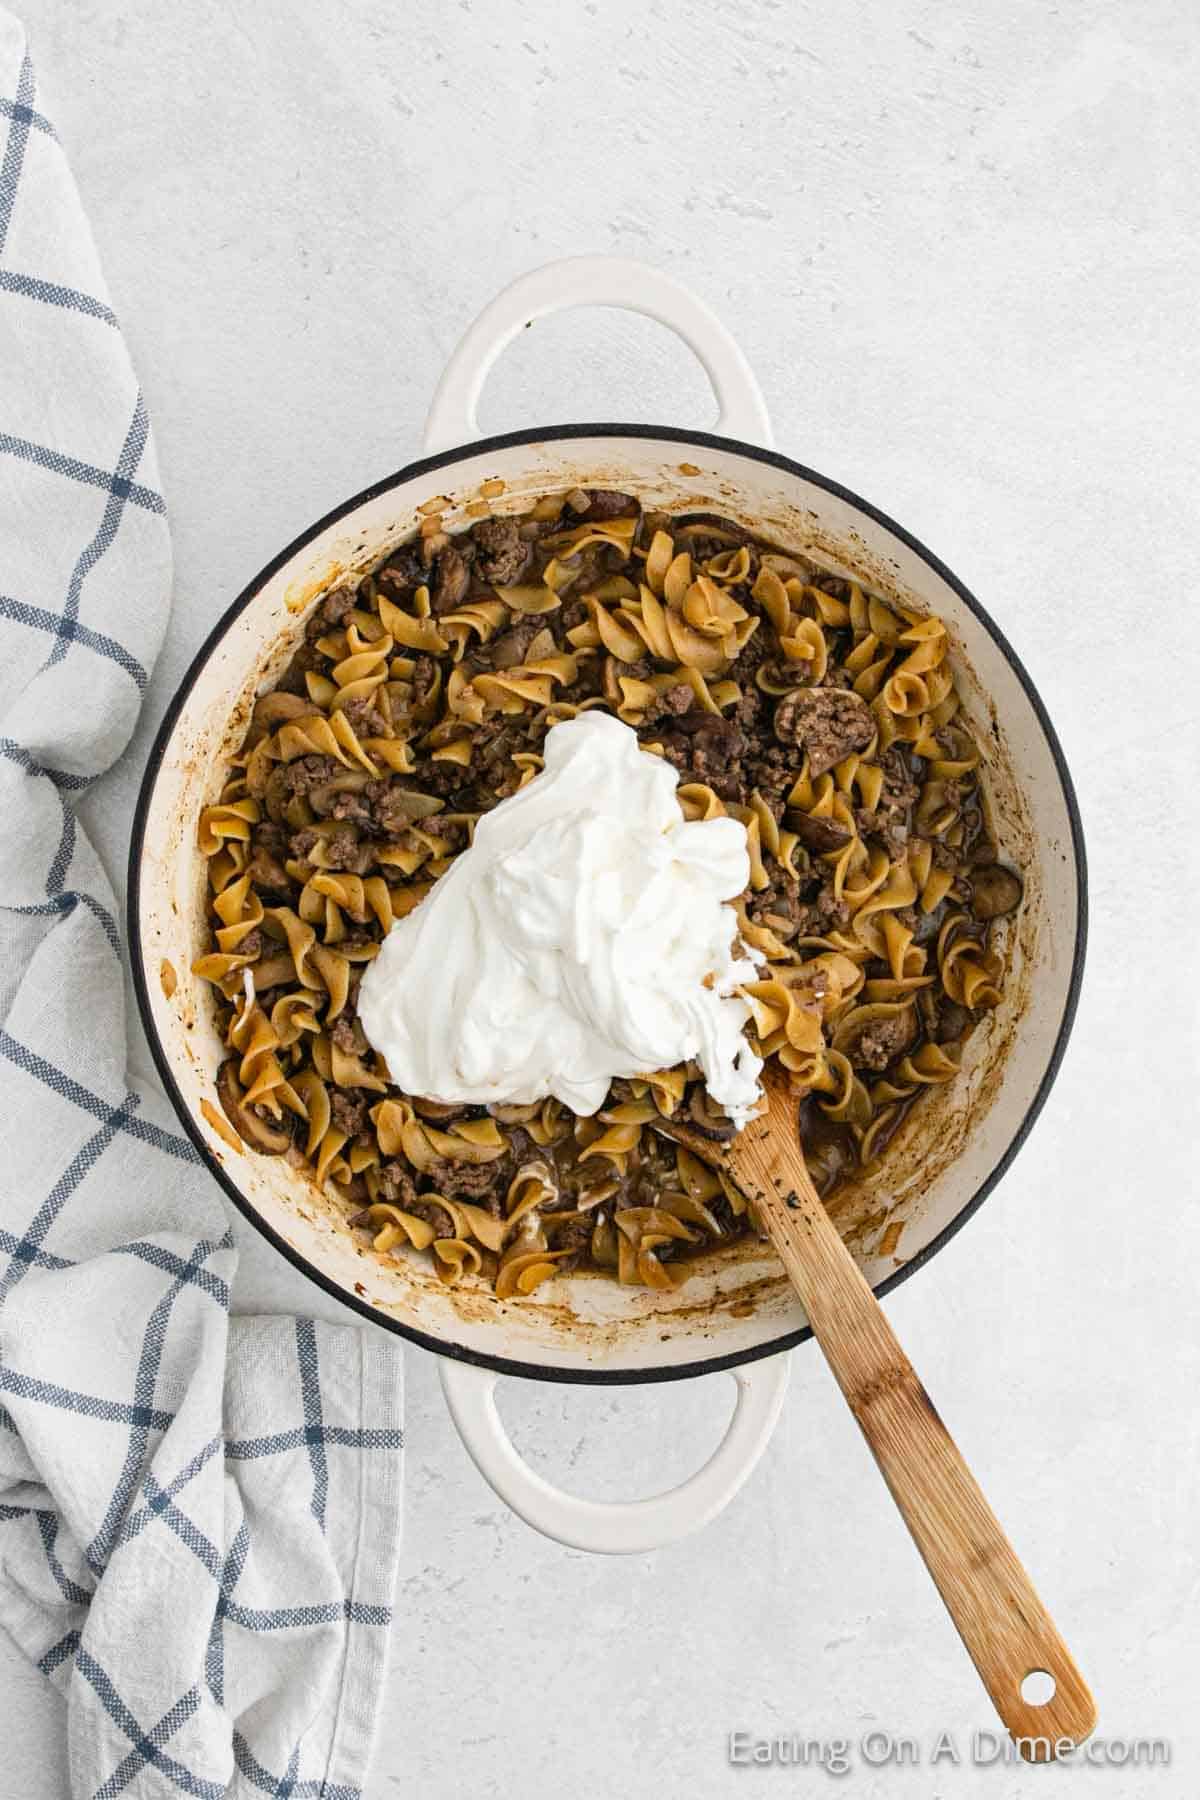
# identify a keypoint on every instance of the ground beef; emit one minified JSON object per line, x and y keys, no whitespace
{"x":365,"y":718}
{"x":496,"y":744}
{"x":474,"y":1181}
{"x":396,"y":1187}
{"x":828,"y":723}
{"x":671,"y":705}
{"x":779,"y":907}
{"x":827,"y":912}
{"x":574,"y":1235}
{"x":251,"y":944}
{"x":344,"y":849}
{"x":350,"y":807}
{"x":717,"y":745}
{"x":890,"y":829}
{"x":349,"y":1111}
{"x":433,"y":1214}
{"x":336,"y":605}
{"x":344,"y":1034}
{"x":308,"y":772}
{"x":449,"y":839}
{"x":900,"y":788}
{"x":451,"y":581}
{"x":424,"y":676}
{"x":270,"y":837}
{"x":884,"y":1040}
{"x":749,"y":707}
{"x":707,"y":747}
{"x":503,"y":554}
{"x":396,"y":1184}
{"x":441,"y":779}
{"x":772,"y":770}
{"x":387,"y":809}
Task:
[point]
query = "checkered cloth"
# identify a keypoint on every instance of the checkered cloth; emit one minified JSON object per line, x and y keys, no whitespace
{"x":199,"y":1515}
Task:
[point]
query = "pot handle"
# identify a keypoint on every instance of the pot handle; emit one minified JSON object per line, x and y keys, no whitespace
{"x":595,"y":281}
{"x":616,"y":1527}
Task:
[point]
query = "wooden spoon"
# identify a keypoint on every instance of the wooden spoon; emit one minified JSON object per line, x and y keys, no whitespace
{"x":1006,"y":1629}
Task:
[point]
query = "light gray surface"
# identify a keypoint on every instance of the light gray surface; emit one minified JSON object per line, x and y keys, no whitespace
{"x":959,"y":247}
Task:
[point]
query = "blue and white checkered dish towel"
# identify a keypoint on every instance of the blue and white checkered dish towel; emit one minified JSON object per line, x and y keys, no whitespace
{"x":199,"y":1515}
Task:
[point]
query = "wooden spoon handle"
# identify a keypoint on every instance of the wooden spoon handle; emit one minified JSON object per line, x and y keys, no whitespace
{"x":1006,"y":1629}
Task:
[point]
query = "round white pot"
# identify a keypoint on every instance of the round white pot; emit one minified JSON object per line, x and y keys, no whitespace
{"x":735,"y":1311}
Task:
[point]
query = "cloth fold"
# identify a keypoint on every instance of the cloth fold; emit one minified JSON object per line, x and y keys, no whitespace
{"x":199,"y":1515}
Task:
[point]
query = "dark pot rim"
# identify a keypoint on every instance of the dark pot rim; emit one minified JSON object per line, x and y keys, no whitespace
{"x":428,"y":465}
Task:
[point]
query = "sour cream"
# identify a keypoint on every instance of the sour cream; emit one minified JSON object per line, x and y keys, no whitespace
{"x":585,"y":934}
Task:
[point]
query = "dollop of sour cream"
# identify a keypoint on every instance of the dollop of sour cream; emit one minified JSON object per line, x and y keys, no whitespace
{"x":585,"y":934}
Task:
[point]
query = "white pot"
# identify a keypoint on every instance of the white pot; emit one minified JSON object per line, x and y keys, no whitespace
{"x":734,"y":1312}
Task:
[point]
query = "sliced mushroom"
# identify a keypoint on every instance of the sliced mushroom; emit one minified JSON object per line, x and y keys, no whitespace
{"x":996,"y":891}
{"x":507,"y":651}
{"x":273,"y":709}
{"x":405,"y":803}
{"x":779,"y":675}
{"x":321,"y":797}
{"x":708,"y":1119}
{"x":250,"y":1128}
{"x":273,"y":971}
{"x":607,"y":503}
{"x":821,"y":835}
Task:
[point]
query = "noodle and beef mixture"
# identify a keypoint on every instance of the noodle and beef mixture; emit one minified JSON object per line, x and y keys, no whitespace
{"x":824,"y":720}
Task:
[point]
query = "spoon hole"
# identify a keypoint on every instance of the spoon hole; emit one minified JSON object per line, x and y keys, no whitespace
{"x":1038,"y":1688}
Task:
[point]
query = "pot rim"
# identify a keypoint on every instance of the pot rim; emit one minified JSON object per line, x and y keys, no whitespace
{"x":427,"y":465}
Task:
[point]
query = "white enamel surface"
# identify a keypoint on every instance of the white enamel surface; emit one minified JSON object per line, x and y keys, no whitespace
{"x":615,"y":281}
{"x":621,"y":1527}
{"x":592,"y":1323}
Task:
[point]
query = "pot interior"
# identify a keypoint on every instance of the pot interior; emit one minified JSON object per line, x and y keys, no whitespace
{"x":732,"y":1306}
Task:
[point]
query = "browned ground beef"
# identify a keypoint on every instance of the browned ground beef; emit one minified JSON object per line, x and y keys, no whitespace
{"x":827,"y":722}
{"x":503,"y":554}
{"x":884,"y":1040}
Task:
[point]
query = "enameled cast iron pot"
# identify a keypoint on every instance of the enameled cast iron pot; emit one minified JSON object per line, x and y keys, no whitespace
{"x":735,"y":1312}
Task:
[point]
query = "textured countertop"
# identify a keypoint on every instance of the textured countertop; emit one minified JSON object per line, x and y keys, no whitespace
{"x":959,"y":247}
